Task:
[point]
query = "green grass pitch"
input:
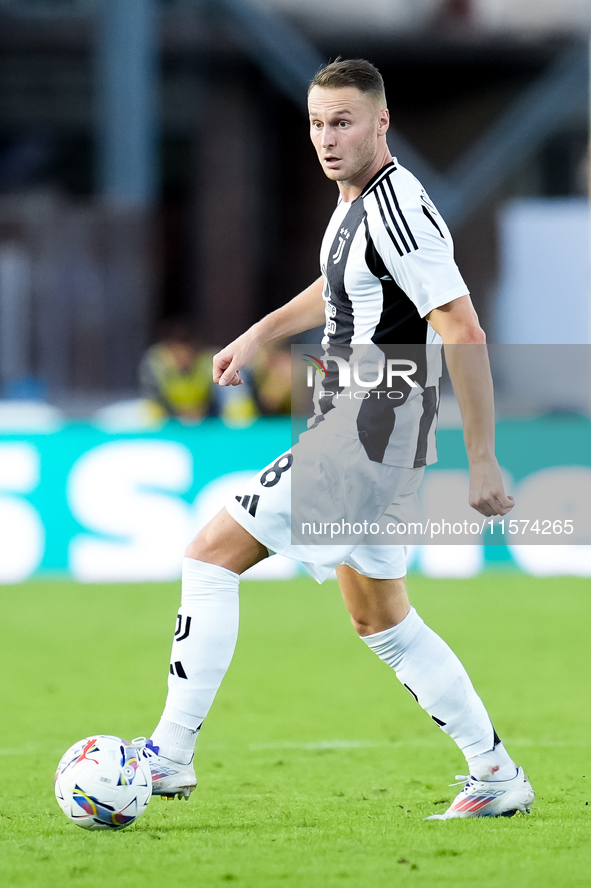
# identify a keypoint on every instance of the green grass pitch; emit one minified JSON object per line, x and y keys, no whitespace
{"x":316,"y":767}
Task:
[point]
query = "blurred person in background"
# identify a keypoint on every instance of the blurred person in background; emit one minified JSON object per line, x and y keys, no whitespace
{"x":271,"y":370}
{"x":176,"y":380}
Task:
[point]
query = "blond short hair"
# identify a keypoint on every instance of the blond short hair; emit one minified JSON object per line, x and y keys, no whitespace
{"x":358,"y":73}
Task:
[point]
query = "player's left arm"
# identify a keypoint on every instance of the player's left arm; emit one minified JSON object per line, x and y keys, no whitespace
{"x":467,"y":361}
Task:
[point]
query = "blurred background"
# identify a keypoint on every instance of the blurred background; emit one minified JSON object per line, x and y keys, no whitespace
{"x":158,"y":193}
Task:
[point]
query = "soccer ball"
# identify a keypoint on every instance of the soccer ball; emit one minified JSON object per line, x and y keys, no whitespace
{"x":102,"y":783}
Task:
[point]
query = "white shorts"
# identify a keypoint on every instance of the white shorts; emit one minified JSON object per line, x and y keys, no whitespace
{"x":379,"y":493}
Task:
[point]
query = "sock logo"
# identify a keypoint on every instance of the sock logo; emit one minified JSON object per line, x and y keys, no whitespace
{"x":179,"y":628}
{"x":177,"y":669}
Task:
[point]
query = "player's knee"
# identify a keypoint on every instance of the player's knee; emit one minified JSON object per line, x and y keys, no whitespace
{"x":369,"y":621}
{"x":194,"y":550}
{"x":202,"y":547}
{"x":363,"y":624}
{"x":224,"y":542}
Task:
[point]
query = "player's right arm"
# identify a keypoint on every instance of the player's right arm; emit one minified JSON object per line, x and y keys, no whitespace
{"x":304,"y":312}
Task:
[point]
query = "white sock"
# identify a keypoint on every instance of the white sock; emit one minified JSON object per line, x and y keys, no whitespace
{"x":496,"y":764}
{"x":432,"y":673}
{"x":174,"y":740}
{"x":203,"y":646}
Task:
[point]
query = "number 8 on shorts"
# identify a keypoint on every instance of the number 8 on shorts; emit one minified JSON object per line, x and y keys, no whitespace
{"x":273,"y":474}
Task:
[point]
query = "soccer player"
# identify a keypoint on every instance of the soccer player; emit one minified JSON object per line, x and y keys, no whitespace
{"x":388,"y":276}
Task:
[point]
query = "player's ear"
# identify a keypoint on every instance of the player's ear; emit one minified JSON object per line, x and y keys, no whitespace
{"x":383,"y":121}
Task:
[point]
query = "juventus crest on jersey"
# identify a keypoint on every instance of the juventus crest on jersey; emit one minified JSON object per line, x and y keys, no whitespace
{"x":387,"y":261}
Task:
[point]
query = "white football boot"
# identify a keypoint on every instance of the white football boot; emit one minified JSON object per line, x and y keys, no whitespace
{"x":490,"y":798}
{"x":169,"y":779}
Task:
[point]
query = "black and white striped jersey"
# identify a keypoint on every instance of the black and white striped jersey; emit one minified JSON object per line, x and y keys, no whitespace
{"x":387,"y":261}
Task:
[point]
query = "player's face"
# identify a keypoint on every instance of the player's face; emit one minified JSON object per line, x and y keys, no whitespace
{"x":347,"y":129}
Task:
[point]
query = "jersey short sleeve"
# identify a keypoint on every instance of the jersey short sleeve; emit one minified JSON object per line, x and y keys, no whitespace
{"x":413,"y":241}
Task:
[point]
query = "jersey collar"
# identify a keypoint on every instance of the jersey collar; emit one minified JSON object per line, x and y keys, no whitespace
{"x":381,"y":174}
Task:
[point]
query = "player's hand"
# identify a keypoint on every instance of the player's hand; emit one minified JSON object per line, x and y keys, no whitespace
{"x":229,"y":361}
{"x":487,"y":491}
